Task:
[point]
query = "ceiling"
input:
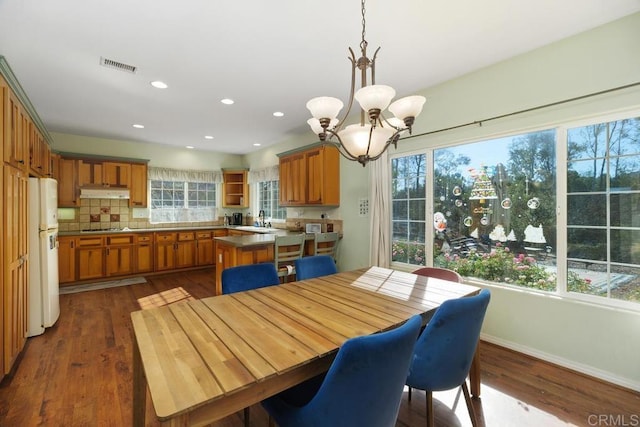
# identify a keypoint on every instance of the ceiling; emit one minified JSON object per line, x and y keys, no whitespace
{"x":265,"y":55}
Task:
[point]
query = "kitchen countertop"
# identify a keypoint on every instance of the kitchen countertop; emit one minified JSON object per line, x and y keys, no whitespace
{"x":258,"y":239}
{"x":261,"y":230}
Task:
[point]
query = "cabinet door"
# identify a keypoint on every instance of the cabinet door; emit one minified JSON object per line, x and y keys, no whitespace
{"x":323,"y":176}
{"x":15,"y":268}
{"x":90,"y":263}
{"x":116,"y":174}
{"x":66,"y":259}
{"x":119,"y":260}
{"x":144,"y":258}
{"x":90,"y":173}
{"x":185,"y":254}
{"x":67,"y":183}
{"x":165,"y":256}
{"x":138,"y":188}
{"x":204,"y":249}
{"x":225,"y":258}
{"x":15,"y":149}
{"x":292,"y":180}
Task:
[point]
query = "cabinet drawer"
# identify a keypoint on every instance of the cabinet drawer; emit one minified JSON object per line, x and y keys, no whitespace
{"x":120,"y":240}
{"x":220,"y":232}
{"x":186,"y":236}
{"x":144,"y":238}
{"x":165,"y":237}
{"x":91,"y":241}
{"x":201,"y":235}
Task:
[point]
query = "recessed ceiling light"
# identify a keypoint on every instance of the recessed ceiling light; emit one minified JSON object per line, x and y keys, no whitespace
{"x":278,"y":114}
{"x":208,"y":137}
{"x":256,"y":144}
{"x":158,"y":84}
{"x":137,"y":126}
{"x":190,"y":147}
{"x":227,"y":101}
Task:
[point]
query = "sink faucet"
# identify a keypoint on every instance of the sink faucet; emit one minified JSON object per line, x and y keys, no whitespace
{"x":261,"y":216}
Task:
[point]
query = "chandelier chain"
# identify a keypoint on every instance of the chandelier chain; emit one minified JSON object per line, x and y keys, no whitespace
{"x":363,"y":43}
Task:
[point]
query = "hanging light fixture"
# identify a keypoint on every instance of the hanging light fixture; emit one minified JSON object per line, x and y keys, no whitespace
{"x":372,"y":136}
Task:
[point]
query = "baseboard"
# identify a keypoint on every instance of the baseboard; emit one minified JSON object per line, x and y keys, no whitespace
{"x":566,"y":363}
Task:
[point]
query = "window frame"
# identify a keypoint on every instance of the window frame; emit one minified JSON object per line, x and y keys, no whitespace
{"x":185,"y":201}
{"x":561,"y":128}
{"x":257,"y":200}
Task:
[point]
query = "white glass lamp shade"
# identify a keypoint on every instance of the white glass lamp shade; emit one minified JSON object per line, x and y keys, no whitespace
{"x":324,"y":107}
{"x":355,"y":139}
{"x":316,"y":127}
{"x":409,"y":106}
{"x":375,"y":96}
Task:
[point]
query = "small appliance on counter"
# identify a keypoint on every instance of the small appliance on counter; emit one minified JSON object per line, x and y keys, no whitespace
{"x":236,"y":219}
{"x":313,"y":228}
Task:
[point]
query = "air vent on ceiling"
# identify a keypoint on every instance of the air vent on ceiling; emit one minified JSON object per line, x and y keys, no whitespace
{"x":110,"y":63}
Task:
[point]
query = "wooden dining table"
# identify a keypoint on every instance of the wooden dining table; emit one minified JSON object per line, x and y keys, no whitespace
{"x":205,"y":359}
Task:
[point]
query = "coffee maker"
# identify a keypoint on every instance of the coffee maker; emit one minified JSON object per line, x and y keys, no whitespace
{"x":236,"y":218}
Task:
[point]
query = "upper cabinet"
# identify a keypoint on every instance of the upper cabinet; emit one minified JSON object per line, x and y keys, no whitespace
{"x":310,"y":177}
{"x":235,"y":190}
{"x":75,"y":172}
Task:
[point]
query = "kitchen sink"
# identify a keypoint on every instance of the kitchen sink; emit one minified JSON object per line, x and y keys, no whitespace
{"x":255,"y":229}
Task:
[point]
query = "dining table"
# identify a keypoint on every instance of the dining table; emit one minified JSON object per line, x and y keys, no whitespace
{"x":204,"y":359}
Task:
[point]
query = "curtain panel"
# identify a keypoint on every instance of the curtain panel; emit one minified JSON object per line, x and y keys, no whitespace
{"x":167,"y":174}
{"x":271,"y":173}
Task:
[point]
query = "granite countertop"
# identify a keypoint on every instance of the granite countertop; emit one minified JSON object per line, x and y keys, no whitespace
{"x":258,"y":239}
{"x":139,"y":230}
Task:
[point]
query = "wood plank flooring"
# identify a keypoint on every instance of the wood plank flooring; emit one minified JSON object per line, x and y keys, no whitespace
{"x":79,"y":373}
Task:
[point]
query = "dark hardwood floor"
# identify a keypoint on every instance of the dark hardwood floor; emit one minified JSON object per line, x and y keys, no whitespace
{"x":78,"y":373}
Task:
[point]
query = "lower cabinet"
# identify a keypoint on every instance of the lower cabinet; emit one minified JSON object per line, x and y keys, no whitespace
{"x":143,"y":253}
{"x":66,"y":259}
{"x":100,"y":256}
{"x":229,"y":255}
{"x":119,"y":255}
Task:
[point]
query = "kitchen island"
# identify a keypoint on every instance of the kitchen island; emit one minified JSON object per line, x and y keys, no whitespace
{"x":231,"y":251}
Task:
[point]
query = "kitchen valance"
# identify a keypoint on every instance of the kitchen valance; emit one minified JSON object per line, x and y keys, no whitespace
{"x":271,"y":173}
{"x":167,"y":174}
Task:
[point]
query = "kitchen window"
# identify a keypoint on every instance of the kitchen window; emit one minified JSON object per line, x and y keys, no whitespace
{"x":182,"y":196}
{"x":494,"y":210}
{"x":268,"y":200}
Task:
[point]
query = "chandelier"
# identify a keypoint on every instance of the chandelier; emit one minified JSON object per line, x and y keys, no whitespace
{"x":372,"y":136}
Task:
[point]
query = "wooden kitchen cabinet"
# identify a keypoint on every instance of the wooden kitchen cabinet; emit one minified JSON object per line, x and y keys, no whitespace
{"x":292,"y":180}
{"x":119,"y":255}
{"x":138,"y":188}
{"x":186,"y":250}
{"x":39,"y":153}
{"x":15,"y":295}
{"x":310,"y":177}
{"x":143,"y":253}
{"x":66,"y":259}
{"x":116,"y":174}
{"x":68,"y":193}
{"x":230,"y":255}
{"x":90,"y":173}
{"x":90,"y":257}
{"x":204,"y":248}
{"x":165,"y":251}
{"x":235,"y":190}
{"x":16,"y":143}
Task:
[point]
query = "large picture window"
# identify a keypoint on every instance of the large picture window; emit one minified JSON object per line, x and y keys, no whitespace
{"x":495,"y":212}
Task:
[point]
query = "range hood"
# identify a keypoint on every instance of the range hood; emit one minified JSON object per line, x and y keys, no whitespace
{"x":104,"y":193}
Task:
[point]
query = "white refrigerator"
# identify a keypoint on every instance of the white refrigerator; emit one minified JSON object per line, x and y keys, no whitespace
{"x":44,"y":304}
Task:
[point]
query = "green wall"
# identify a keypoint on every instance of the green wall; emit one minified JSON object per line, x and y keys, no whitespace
{"x":596,"y":340}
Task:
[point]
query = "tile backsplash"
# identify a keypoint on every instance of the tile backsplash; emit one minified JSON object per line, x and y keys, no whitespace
{"x":107,"y":214}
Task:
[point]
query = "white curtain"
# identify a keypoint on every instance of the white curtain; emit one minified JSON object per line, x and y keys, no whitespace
{"x":380,"y":211}
{"x":160,"y":214}
{"x":271,"y":173}
{"x":167,"y":174}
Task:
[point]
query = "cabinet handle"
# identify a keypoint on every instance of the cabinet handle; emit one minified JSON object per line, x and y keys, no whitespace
{"x":21,"y":162}
{"x":73,"y":244}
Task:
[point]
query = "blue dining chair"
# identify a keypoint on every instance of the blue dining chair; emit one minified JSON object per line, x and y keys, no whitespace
{"x":244,"y":278}
{"x":445,"y":349}
{"x":363,"y":386}
{"x":315,"y":266}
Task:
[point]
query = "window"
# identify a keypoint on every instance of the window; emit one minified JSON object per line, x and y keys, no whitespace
{"x":603,"y":208}
{"x":408,"y":197}
{"x":268,"y":199}
{"x":492,"y":213}
{"x":182,"y":196}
